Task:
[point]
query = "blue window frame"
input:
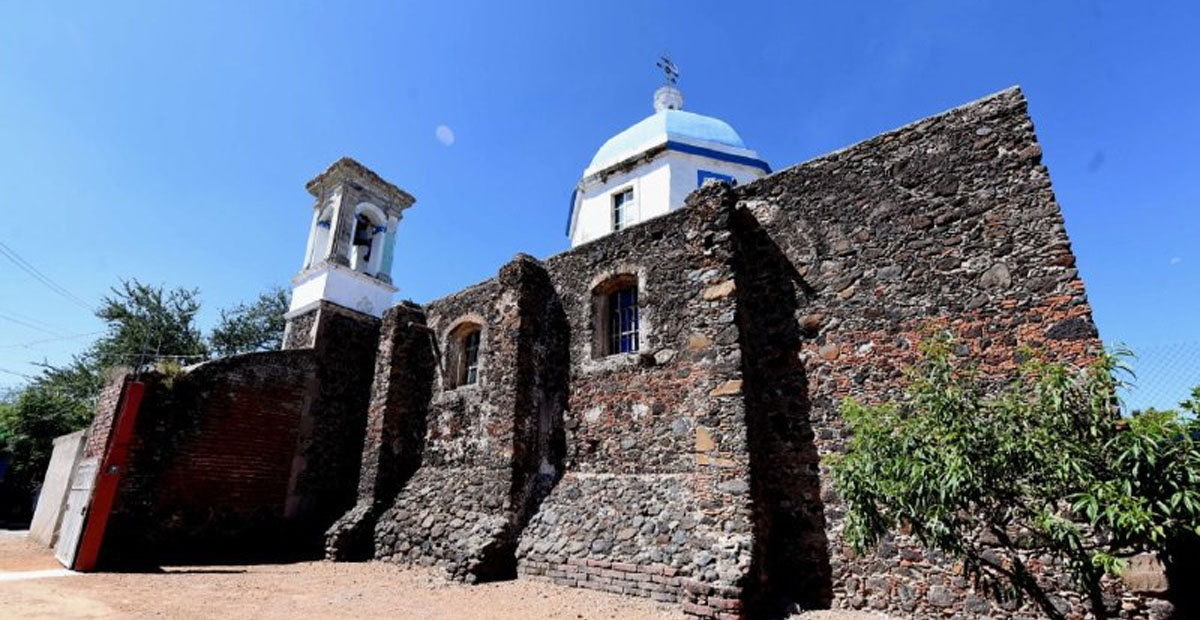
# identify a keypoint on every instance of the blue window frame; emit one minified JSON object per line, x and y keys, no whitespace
{"x":623,"y":321}
{"x":702,"y":175}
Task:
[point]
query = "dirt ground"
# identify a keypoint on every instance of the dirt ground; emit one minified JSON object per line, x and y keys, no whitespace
{"x":298,"y":591}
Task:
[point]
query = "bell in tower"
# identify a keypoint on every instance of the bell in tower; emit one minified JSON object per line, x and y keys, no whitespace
{"x":348,"y":261}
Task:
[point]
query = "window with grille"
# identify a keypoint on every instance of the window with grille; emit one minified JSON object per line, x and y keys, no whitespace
{"x":622,"y":206}
{"x":461,"y":366}
{"x":616,"y":317}
{"x":623,"y":321}
{"x":469,"y":361}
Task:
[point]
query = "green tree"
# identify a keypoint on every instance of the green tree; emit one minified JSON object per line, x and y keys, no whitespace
{"x":28,"y":425}
{"x":1043,"y":465}
{"x":146,"y":323}
{"x":257,"y":326}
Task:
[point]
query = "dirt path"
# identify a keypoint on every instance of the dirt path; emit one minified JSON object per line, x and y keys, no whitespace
{"x":305,"y":590}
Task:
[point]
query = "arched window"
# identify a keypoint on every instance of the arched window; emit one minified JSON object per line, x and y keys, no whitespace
{"x":367,"y":238}
{"x":615,"y":319}
{"x":320,"y":237}
{"x":462,"y":355}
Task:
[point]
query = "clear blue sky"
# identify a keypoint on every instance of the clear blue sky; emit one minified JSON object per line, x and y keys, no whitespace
{"x":171,"y":141}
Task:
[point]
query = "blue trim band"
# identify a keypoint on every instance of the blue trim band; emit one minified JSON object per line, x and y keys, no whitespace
{"x":703,"y":175}
{"x":692,"y":149}
{"x":571,"y":211}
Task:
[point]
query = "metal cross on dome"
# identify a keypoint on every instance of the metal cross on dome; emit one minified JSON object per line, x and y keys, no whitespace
{"x":670,"y":71}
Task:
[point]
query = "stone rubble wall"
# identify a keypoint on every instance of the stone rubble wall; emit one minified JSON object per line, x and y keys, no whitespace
{"x":655,"y":498}
{"x":947,"y":223}
{"x":395,"y":429}
{"x":333,"y":425}
{"x":491,"y":449}
{"x":691,"y":471}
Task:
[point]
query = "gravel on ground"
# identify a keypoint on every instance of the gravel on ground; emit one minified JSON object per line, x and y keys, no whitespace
{"x":302,"y":590}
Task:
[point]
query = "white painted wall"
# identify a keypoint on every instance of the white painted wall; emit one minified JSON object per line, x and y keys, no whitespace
{"x":651,"y":185}
{"x":342,"y":286}
{"x":659,"y":186}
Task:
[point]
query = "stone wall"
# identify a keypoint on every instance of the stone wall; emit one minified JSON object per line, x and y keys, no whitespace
{"x":949,"y":222}
{"x":690,"y":471}
{"x":332,"y":428}
{"x":655,"y":498}
{"x":395,"y":429}
{"x":490,"y":451}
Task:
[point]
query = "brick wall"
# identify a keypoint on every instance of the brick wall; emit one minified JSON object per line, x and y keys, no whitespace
{"x":101,"y":427}
{"x":211,"y":460}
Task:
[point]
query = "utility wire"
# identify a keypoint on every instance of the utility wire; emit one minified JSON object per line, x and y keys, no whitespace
{"x":19,"y":374}
{"x":26,"y":345}
{"x":14,"y":319}
{"x":17,"y":317}
{"x":28,"y":268}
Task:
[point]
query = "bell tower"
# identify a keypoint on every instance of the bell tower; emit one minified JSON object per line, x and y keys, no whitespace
{"x":348,"y":260}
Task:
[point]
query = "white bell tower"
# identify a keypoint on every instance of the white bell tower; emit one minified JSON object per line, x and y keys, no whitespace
{"x":348,"y":261}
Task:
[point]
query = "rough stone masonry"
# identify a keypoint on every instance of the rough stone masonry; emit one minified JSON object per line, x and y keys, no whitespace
{"x":690,"y":469}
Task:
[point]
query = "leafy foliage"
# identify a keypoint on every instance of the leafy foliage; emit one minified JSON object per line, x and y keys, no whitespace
{"x":28,"y":425}
{"x":1044,"y":464}
{"x":147,"y":325}
{"x":145,"y":322}
{"x":257,"y":326}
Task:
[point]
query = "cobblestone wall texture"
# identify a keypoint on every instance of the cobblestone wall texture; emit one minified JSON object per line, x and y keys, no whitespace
{"x":691,"y":469}
{"x":948,"y":222}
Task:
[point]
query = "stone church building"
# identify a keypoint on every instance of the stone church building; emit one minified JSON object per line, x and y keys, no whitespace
{"x":646,"y":413}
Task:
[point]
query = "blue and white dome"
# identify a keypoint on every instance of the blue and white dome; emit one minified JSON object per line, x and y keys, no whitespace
{"x":661,"y":127}
{"x":650,"y":168}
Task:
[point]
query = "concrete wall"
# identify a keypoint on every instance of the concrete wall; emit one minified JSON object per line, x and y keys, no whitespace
{"x":68,"y":450}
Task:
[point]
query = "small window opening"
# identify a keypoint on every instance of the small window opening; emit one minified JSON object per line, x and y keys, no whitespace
{"x":364,"y":233}
{"x":615,"y":317}
{"x":469,"y":360}
{"x":705,"y":175}
{"x":622,"y":205}
{"x":623,"y":334}
{"x":462,"y":356}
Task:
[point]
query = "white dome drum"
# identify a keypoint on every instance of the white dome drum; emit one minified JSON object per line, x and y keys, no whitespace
{"x":649,"y":169}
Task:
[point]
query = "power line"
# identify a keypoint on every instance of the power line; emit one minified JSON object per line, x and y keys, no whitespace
{"x":25,"y":323}
{"x":28,"y":268}
{"x":26,"y":345}
{"x":19,"y":374}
